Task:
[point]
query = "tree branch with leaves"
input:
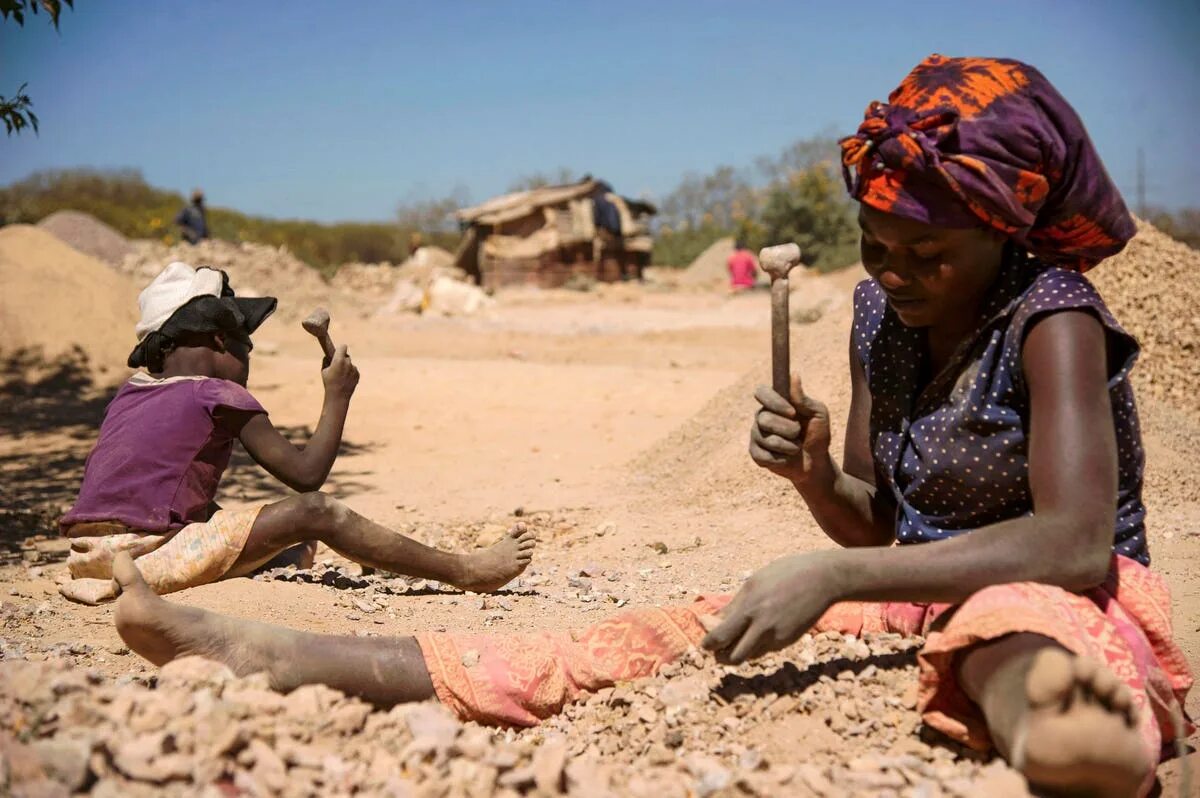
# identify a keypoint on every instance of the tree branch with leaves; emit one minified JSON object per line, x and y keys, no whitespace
{"x":17,"y":111}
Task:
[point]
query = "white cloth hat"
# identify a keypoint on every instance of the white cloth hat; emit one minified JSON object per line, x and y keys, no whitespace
{"x":174,"y":287}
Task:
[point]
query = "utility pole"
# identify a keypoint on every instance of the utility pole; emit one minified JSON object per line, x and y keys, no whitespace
{"x":1141,"y":182}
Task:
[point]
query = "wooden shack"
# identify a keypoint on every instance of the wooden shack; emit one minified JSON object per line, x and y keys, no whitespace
{"x":546,"y":236}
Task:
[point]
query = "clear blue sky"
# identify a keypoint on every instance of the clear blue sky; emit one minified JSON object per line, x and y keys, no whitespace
{"x":339,"y":110}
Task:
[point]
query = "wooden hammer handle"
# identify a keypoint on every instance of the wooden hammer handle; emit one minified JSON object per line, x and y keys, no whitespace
{"x":781,"y":353}
{"x":327,"y":346}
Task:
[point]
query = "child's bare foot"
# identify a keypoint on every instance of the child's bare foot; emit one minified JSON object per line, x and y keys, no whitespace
{"x":489,"y":570}
{"x":161,"y":631}
{"x":1078,"y":732}
{"x":89,"y":591}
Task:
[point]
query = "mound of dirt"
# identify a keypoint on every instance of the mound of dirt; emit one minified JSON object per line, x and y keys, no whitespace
{"x":710,"y":266}
{"x":374,"y":280}
{"x":424,"y":265}
{"x":1151,"y":288}
{"x":88,"y":234}
{"x":56,"y":302}
{"x":704,"y":460}
{"x":379,"y":280}
{"x":254,"y":270}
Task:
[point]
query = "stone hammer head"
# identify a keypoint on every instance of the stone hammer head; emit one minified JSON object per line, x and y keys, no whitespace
{"x":778,"y":260}
{"x":317,"y":322}
{"x":317,"y":325}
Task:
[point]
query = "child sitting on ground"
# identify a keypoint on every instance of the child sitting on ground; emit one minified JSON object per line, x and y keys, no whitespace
{"x":150,"y":483}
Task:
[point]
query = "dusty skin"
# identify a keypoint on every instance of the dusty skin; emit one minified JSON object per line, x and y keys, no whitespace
{"x":1063,"y":721}
{"x":462,"y":427}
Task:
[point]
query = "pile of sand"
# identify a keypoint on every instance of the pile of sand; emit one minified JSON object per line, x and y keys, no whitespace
{"x":87,"y":234}
{"x":56,"y":302}
{"x":254,"y":270}
{"x":376,"y":280}
{"x":379,"y":280}
{"x":704,"y":460}
{"x":1151,"y":288}
{"x":710,"y":266}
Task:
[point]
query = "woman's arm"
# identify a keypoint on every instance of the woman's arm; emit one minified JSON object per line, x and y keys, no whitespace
{"x":792,"y":439}
{"x":305,"y":469}
{"x":1066,"y":541}
{"x":849,"y":506}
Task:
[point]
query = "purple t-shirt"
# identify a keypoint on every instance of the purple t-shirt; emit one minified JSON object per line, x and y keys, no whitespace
{"x":163,"y":447}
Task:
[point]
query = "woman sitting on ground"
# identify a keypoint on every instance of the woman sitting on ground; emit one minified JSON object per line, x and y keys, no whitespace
{"x":992,"y":420}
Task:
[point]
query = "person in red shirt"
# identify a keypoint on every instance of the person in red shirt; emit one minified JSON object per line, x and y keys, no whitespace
{"x":742,"y":268}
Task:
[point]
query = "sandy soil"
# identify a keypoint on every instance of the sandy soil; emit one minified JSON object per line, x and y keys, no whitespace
{"x":614,"y":423}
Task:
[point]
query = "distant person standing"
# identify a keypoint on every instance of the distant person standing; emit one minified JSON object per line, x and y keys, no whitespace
{"x":192,"y":219}
{"x":742,"y":268}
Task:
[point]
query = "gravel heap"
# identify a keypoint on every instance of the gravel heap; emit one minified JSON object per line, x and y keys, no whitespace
{"x":254,"y":270}
{"x":87,"y":234}
{"x":710,"y":265}
{"x":1151,"y":288}
{"x":374,"y":280}
{"x":379,"y":280}
{"x":832,"y":718}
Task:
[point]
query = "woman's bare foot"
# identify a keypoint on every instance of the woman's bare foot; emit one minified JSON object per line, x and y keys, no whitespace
{"x":489,"y":570}
{"x":161,"y":631}
{"x":1077,"y":732}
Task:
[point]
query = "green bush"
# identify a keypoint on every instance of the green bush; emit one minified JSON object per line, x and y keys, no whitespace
{"x":123,"y":200}
{"x":811,"y":209}
{"x":798,"y":196}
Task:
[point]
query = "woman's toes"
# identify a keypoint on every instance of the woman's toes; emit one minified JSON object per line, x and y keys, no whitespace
{"x":1050,"y":678}
{"x":1086,"y":669}
{"x":1122,"y":701}
{"x":1104,"y":685}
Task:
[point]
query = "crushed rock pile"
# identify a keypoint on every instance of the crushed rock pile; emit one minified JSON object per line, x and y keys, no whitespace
{"x":704,"y":460}
{"x":379,"y":279}
{"x":710,"y":265}
{"x":374,"y":280}
{"x":254,"y":270}
{"x":426,"y":282}
{"x":1151,"y":288}
{"x":834,"y":717}
{"x":58,"y":304}
{"x":88,"y":234}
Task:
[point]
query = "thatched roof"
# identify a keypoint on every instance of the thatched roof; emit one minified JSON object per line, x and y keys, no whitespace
{"x":519,"y":204}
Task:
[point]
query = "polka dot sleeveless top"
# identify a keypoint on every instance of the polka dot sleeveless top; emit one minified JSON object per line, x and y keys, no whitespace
{"x":955,"y":453}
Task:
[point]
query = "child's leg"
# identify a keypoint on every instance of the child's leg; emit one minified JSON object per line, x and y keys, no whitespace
{"x":1066,"y":722}
{"x":381,"y":671}
{"x":318,"y":516}
{"x":301,"y":556}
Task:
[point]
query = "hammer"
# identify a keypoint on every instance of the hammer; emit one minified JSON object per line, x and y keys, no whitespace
{"x":317,"y":325}
{"x":777,"y":261}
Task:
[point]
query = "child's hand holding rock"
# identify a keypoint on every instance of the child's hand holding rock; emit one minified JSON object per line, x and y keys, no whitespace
{"x":340,"y":376}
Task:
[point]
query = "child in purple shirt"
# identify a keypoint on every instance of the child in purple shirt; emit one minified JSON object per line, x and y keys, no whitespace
{"x":149,"y":484}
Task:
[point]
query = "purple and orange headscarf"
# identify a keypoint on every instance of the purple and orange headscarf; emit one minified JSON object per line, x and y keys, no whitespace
{"x":968,"y":141}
